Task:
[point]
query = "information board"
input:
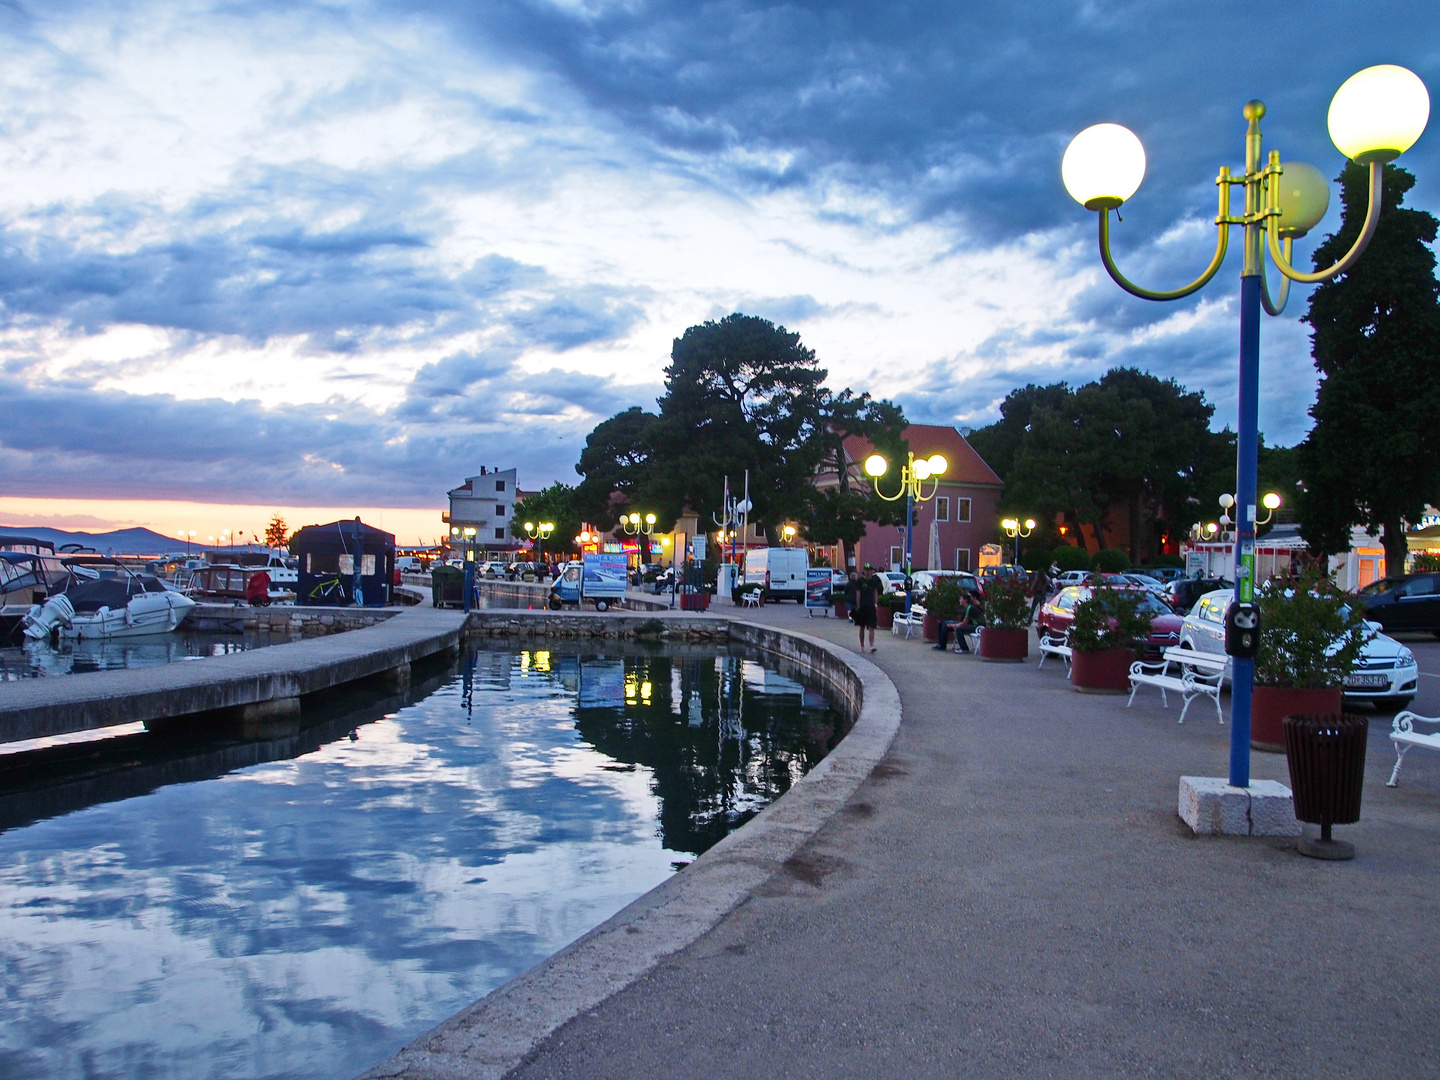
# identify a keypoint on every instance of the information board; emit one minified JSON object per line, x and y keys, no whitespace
{"x":817,"y":587}
{"x":605,"y":575}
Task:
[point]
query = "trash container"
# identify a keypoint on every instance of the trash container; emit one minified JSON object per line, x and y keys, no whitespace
{"x":447,"y":586}
{"x":1326,"y":755}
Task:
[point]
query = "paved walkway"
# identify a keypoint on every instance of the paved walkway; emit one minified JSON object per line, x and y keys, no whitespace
{"x":1012,"y":895}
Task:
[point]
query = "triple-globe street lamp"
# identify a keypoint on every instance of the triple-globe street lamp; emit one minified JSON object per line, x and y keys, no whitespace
{"x":539,"y":533}
{"x":913,"y":475}
{"x":634,"y":526}
{"x":1017,"y":531}
{"x":1375,"y":116}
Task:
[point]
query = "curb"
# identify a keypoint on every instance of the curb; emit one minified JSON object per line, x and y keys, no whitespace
{"x":488,"y":1039}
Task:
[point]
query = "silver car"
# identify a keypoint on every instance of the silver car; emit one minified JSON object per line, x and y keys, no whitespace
{"x":1385,"y":673}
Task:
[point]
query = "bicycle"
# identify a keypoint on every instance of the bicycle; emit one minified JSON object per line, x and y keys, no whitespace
{"x":329,"y":589}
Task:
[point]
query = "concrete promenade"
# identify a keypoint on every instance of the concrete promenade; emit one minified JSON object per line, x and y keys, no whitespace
{"x":266,"y":681}
{"x":1011,"y":894}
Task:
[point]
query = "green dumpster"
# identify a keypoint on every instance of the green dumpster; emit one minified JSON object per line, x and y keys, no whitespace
{"x":447,"y":586}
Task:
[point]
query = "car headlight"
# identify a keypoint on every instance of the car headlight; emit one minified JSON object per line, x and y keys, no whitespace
{"x":1404,"y":658}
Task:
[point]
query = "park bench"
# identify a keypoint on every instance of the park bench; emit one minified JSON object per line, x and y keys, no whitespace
{"x":1194,"y":674}
{"x":914,"y":621}
{"x":1053,"y":645}
{"x":1404,"y":737}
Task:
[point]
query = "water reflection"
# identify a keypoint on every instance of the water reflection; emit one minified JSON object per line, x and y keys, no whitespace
{"x":355,"y":882}
{"x":41,"y":659}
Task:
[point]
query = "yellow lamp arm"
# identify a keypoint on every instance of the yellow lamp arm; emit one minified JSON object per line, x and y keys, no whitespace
{"x":1367,"y":231}
{"x":1222,"y":241}
{"x":1273,"y":307}
{"x":890,"y":498}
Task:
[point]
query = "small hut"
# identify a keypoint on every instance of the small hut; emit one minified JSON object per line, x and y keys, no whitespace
{"x":344,"y":562}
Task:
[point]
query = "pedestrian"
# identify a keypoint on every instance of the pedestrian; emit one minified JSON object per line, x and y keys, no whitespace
{"x":852,"y":593}
{"x":1039,"y":591}
{"x":867,"y":602}
{"x":972,"y":617}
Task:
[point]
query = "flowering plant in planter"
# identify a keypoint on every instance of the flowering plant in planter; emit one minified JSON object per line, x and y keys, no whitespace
{"x":1311,"y":633}
{"x":1006,"y":605}
{"x":942,"y":599}
{"x":1110,"y":619}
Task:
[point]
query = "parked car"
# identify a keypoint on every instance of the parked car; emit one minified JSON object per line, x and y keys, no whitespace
{"x":1184,"y":593}
{"x":894,"y":580}
{"x":923,"y":579}
{"x":491,"y":569}
{"x":1386,"y":674}
{"x":1163,"y":574}
{"x":1058,"y":613}
{"x":1072,"y":577}
{"x":1005,"y":570}
{"x":1145,"y":581}
{"x":1404,"y":603}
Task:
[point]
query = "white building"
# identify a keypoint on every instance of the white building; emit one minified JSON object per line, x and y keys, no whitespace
{"x":481,"y":510}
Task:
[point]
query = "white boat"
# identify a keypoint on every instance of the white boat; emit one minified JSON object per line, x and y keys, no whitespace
{"x":117,"y":603}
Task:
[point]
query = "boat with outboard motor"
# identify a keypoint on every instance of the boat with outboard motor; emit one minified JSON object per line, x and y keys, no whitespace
{"x":101,"y":597}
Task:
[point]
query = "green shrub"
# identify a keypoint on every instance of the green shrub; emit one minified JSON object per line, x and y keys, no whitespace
{"x":943,"y":598}
{"x":1111,"y":561}
{"x":1006,"y":605}
{"x":893,"y":600}
{"x":1110,"y":619}
{"x":1071,"y":558}
{"x":1311,"y":633}
{"x":1037,"y":559}
{"x":1425,"y":562}
{"x":1168,"y":560}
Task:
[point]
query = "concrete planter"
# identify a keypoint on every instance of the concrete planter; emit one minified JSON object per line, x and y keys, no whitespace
{"x":1269,"y":705}
{"x":1004,"y":645}
{"x":1105,"y":672}
{"x":930,"y":630}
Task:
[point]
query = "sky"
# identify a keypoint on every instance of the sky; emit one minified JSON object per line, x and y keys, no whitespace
{"x":330,"y":256}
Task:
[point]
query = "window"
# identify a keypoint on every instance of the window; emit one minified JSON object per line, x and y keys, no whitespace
{"x":347,"y":565}
{"x":499,"y":534}
{"x":942,"y":508}
{"x":962,"y":513}
{"x":499,"y":509}
{"x":499,"y":485}
{"x":897,"y":558}
{"x":962,"y":555}
{"x":1421,"y":586}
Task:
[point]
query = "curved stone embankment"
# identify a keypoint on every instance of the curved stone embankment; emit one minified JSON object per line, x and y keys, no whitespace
{"x":245,"y":688}
{"x":491,"y":1037}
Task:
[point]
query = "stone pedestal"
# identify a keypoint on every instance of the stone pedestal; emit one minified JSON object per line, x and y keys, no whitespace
{"x":1211,"y":807}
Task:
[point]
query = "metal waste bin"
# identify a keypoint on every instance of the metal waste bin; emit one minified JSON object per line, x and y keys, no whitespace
{"x":1326,"y":755}
{"x":447,"y":586}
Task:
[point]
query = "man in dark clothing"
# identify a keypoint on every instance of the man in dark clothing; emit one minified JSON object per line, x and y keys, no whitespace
{"x":972,"y":615}
{"x":1039,"y":591}
{"x":867,"y":601}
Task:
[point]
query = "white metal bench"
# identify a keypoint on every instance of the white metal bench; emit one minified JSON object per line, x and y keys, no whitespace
{"x":1053,"y":645}
{"x":1404,"y":737}
{"x":1196,"y":674}
{"x":914,"y":621}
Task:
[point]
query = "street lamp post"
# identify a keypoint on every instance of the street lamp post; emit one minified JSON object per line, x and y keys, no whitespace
{"x":913,"y":475}
{"x":634,"y":526}
{"x":539,"y":533}
{"x":1375,"y":116}
{"x":1016,"y":531}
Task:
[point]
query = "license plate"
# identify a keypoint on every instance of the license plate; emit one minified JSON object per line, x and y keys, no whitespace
{"x":1367,"y":681}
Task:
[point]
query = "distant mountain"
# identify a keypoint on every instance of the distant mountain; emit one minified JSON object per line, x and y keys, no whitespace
{"x":119,"y":542}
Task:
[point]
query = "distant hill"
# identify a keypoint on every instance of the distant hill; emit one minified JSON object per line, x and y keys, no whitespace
{"x":119,"y":542}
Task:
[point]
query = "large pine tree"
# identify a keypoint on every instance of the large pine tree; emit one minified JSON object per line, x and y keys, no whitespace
{"x":1373,"y":456}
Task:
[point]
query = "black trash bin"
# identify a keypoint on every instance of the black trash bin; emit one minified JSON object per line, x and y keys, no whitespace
{"x":1326,"y":754}
{"x":447,"y":586}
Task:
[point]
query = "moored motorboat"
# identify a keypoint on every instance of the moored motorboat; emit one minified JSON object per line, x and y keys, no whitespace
{"x":116,"y":603}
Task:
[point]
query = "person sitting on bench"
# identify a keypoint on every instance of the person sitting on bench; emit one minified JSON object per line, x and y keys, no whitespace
{"x":972,"y":615}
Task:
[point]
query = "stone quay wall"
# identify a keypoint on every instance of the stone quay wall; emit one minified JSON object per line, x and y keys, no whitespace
{"x":283,"y":619}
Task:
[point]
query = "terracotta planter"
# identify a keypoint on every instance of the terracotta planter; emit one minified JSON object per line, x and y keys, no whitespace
{"x":930,"y":629}
{"x":1004,"y":645}
{"x":1269,"y":706}
{"x":841,"y":611}
{"x":1105,"y":672}
{"x":884,"y":617}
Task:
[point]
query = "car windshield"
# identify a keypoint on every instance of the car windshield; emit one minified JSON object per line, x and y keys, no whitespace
{"x":1151,"y":604}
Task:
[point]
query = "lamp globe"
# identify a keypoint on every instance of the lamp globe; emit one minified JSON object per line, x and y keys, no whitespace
{"x":1378,"y":113}
{"x":875,"y":465}
{"x":1103,"y":166}
{"x":921,"y":469}
{"x":1304,"y":196}
{"x":937,"y":464}
{"x":1271,"y":501}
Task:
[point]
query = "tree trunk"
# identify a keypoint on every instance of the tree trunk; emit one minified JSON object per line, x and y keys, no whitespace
{"x":1396,"y":549}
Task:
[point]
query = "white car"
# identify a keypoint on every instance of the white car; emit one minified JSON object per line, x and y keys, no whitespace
{"x":1144,"y":581}
{"x":1385,"y":673}
{"x":1071,"y":577}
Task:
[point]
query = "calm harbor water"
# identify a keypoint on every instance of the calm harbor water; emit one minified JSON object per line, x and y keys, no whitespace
{"x":304,"y":906}
{"x":40,"y":659}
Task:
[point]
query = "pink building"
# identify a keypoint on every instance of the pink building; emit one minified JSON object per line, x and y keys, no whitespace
{"x":951,"y":528}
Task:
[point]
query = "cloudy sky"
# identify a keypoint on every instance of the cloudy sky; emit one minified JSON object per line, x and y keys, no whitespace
{"x":338,"y":255}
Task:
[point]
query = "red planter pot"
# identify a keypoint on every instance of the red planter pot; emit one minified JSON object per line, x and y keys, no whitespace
{"x":1269,"y":705}
{"x":1101,"y":672}
{"x":998,"y":644}
{"x":930,"y":629}
{"x":884,"y":617}
{"x":841,"y":611}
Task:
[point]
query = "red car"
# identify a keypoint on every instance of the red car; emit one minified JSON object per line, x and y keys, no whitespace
{"x":1059,"y":611}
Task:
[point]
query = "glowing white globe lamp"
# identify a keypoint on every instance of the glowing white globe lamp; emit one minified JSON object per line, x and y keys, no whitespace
{"x":875,"y":465}
{"x":937,"y":464}
{"x":1103,"y":166}
{"x":1377,"y":114}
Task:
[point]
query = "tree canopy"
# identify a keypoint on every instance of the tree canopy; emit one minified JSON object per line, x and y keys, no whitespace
{"x":1373,"y":456}
{"x":557,"y":504}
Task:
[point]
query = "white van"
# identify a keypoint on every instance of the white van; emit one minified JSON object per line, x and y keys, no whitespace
{"x":780,"y":570}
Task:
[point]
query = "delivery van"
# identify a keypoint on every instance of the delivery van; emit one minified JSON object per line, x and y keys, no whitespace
{"x":780,"y":570}
{"x":598,"y":580}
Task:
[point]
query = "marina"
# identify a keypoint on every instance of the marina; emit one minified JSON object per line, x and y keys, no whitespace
{"x":302,"y":906}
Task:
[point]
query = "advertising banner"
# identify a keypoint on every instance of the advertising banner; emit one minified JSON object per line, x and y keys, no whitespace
{"x":817,"y":588}
{"x":605,"y":575}
{"x":697,"y":548}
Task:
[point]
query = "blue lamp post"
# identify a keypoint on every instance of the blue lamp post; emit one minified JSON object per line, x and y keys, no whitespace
{"x":1375,"y":116}
{"x":913,"y":475}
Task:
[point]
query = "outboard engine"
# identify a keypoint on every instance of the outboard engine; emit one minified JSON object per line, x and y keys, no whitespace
{"x":57,"y":611}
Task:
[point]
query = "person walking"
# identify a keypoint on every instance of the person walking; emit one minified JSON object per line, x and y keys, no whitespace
{"x":852,"y":593}
{"x":1039,"y":591}
{"x":867,"y":602}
